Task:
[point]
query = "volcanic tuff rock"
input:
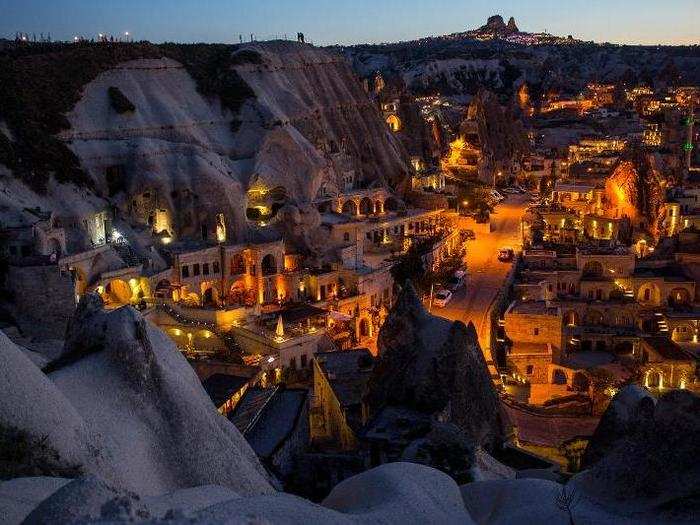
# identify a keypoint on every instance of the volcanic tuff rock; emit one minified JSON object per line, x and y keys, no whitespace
{"x":635,"y":188}
{"x":123,"y":404}
{"x":630,"y":407}
{"x":650,"y":462}
{"x":308,"y":116}
{"x":434,"y":366}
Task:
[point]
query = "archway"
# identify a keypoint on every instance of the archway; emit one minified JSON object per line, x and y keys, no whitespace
{"x":391,"y":204}
{"x":682,"y":333}
{"x":210,"y":296}
{"x":679,"y":297}
{"x":117,"y":291}
{"x":559,"y":377}
{"x":366,"y":206}
{"x":654,"y":379}
{"x":364,"y":327}
{"x":593,"y":269}
{"x":237,"y":264}
{"x":350,"y":208}
{"x":394,"y":123}
{"x":580,"y":382}
{"x":269,"y":265}
{"x":649,"y":293}
{"x":571,"y":318}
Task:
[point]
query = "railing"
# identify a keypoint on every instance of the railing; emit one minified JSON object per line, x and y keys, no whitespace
{"x":227,"y":338}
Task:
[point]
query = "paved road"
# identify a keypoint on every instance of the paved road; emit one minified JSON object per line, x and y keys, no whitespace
{"x":485,"y":273}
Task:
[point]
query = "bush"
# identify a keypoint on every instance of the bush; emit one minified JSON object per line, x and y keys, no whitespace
{"x":40,"y":84}
{"x":22,"y":455}
{"x":119,"y":102}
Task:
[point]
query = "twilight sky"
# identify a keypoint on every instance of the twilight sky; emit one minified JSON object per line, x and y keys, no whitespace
{"x":351,"y":21}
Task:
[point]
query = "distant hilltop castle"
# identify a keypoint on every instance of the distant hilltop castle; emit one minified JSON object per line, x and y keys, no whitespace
{"x":496,"y":29}
{"x":495,"y":24}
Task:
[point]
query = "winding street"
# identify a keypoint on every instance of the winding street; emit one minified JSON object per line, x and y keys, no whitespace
{"x":485,"y":273}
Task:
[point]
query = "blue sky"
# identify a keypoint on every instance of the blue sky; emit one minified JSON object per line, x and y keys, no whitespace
{"x":351,"y":21}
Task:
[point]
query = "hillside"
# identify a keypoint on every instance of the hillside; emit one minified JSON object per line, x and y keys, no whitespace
{"x":499,"y":56}
{"x":197,"y":126}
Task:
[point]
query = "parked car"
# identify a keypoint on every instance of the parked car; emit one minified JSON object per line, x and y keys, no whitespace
{"x":442,"y":298}
{"x":506,"y":254}
{"x":497,"y":196}
{"x":455,"y":282}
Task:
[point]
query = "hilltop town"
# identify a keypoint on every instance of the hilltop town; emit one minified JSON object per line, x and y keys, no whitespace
{"x":454,"y":279}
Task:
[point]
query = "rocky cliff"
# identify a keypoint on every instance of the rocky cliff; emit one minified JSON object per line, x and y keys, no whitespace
{"x":257,"y":127}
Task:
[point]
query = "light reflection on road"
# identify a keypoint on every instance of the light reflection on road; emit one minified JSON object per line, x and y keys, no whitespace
{"x":486,"y":273}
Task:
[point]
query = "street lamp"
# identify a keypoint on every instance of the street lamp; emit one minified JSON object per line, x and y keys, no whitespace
{"x":463,"y":203}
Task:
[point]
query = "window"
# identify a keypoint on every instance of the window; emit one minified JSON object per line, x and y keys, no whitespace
{"x":346,"y":237}
{"x":185,"y":271}
{"x":529,"y":369}
{"x":303,"y":361}
{"x":647,"y":294}
{"x":215,"y":266}
{"x":195,"y":269}
{"x":205,"y":268}
{"x":369,"y":236}
{"x":536,"y":331}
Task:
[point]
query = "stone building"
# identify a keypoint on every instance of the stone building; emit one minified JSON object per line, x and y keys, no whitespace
{"x":666,"y":365}
{"x":337,"y":410}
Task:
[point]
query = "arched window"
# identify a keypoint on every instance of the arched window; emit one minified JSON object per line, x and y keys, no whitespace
{"x":269,"y":265}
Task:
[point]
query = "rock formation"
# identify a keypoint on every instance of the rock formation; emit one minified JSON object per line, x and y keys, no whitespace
{"x":123,"y":404}
{"x":630,"y":407}
{"x":503,"y":139}
{"x":434,"y":366}
{"x":124,"y":407}
{"x":512,"y":27}
{"x":635,"y":189}
{"x":191,"y":153}
{"x":644,"y":456}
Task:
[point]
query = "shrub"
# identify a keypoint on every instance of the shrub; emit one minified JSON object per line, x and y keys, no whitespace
{"x":119,"y":102}
{"x":22,"y":455}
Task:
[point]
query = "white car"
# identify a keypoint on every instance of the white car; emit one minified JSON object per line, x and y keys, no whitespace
{"x":441,"y":298}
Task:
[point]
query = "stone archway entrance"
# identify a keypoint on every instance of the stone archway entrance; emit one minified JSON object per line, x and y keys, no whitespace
{"x":117,"y":292}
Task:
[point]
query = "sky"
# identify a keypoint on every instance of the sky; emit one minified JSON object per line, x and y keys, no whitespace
{"x":351,"y":21}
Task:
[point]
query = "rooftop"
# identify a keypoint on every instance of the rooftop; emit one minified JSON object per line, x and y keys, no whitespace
{"x":347,"y":372}
{"x":667,"y":349}
{"x":530,"y":349}
{"x":533,"y":308}
{"x":267,"y":416}
{"x":221,"y":387}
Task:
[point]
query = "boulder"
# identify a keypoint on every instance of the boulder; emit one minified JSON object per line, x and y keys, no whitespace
{"x":631,"y":406}
{"x":649,"y":467}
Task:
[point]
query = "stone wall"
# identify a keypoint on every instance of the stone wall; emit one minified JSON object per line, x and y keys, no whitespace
{"x":43,"y":298}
